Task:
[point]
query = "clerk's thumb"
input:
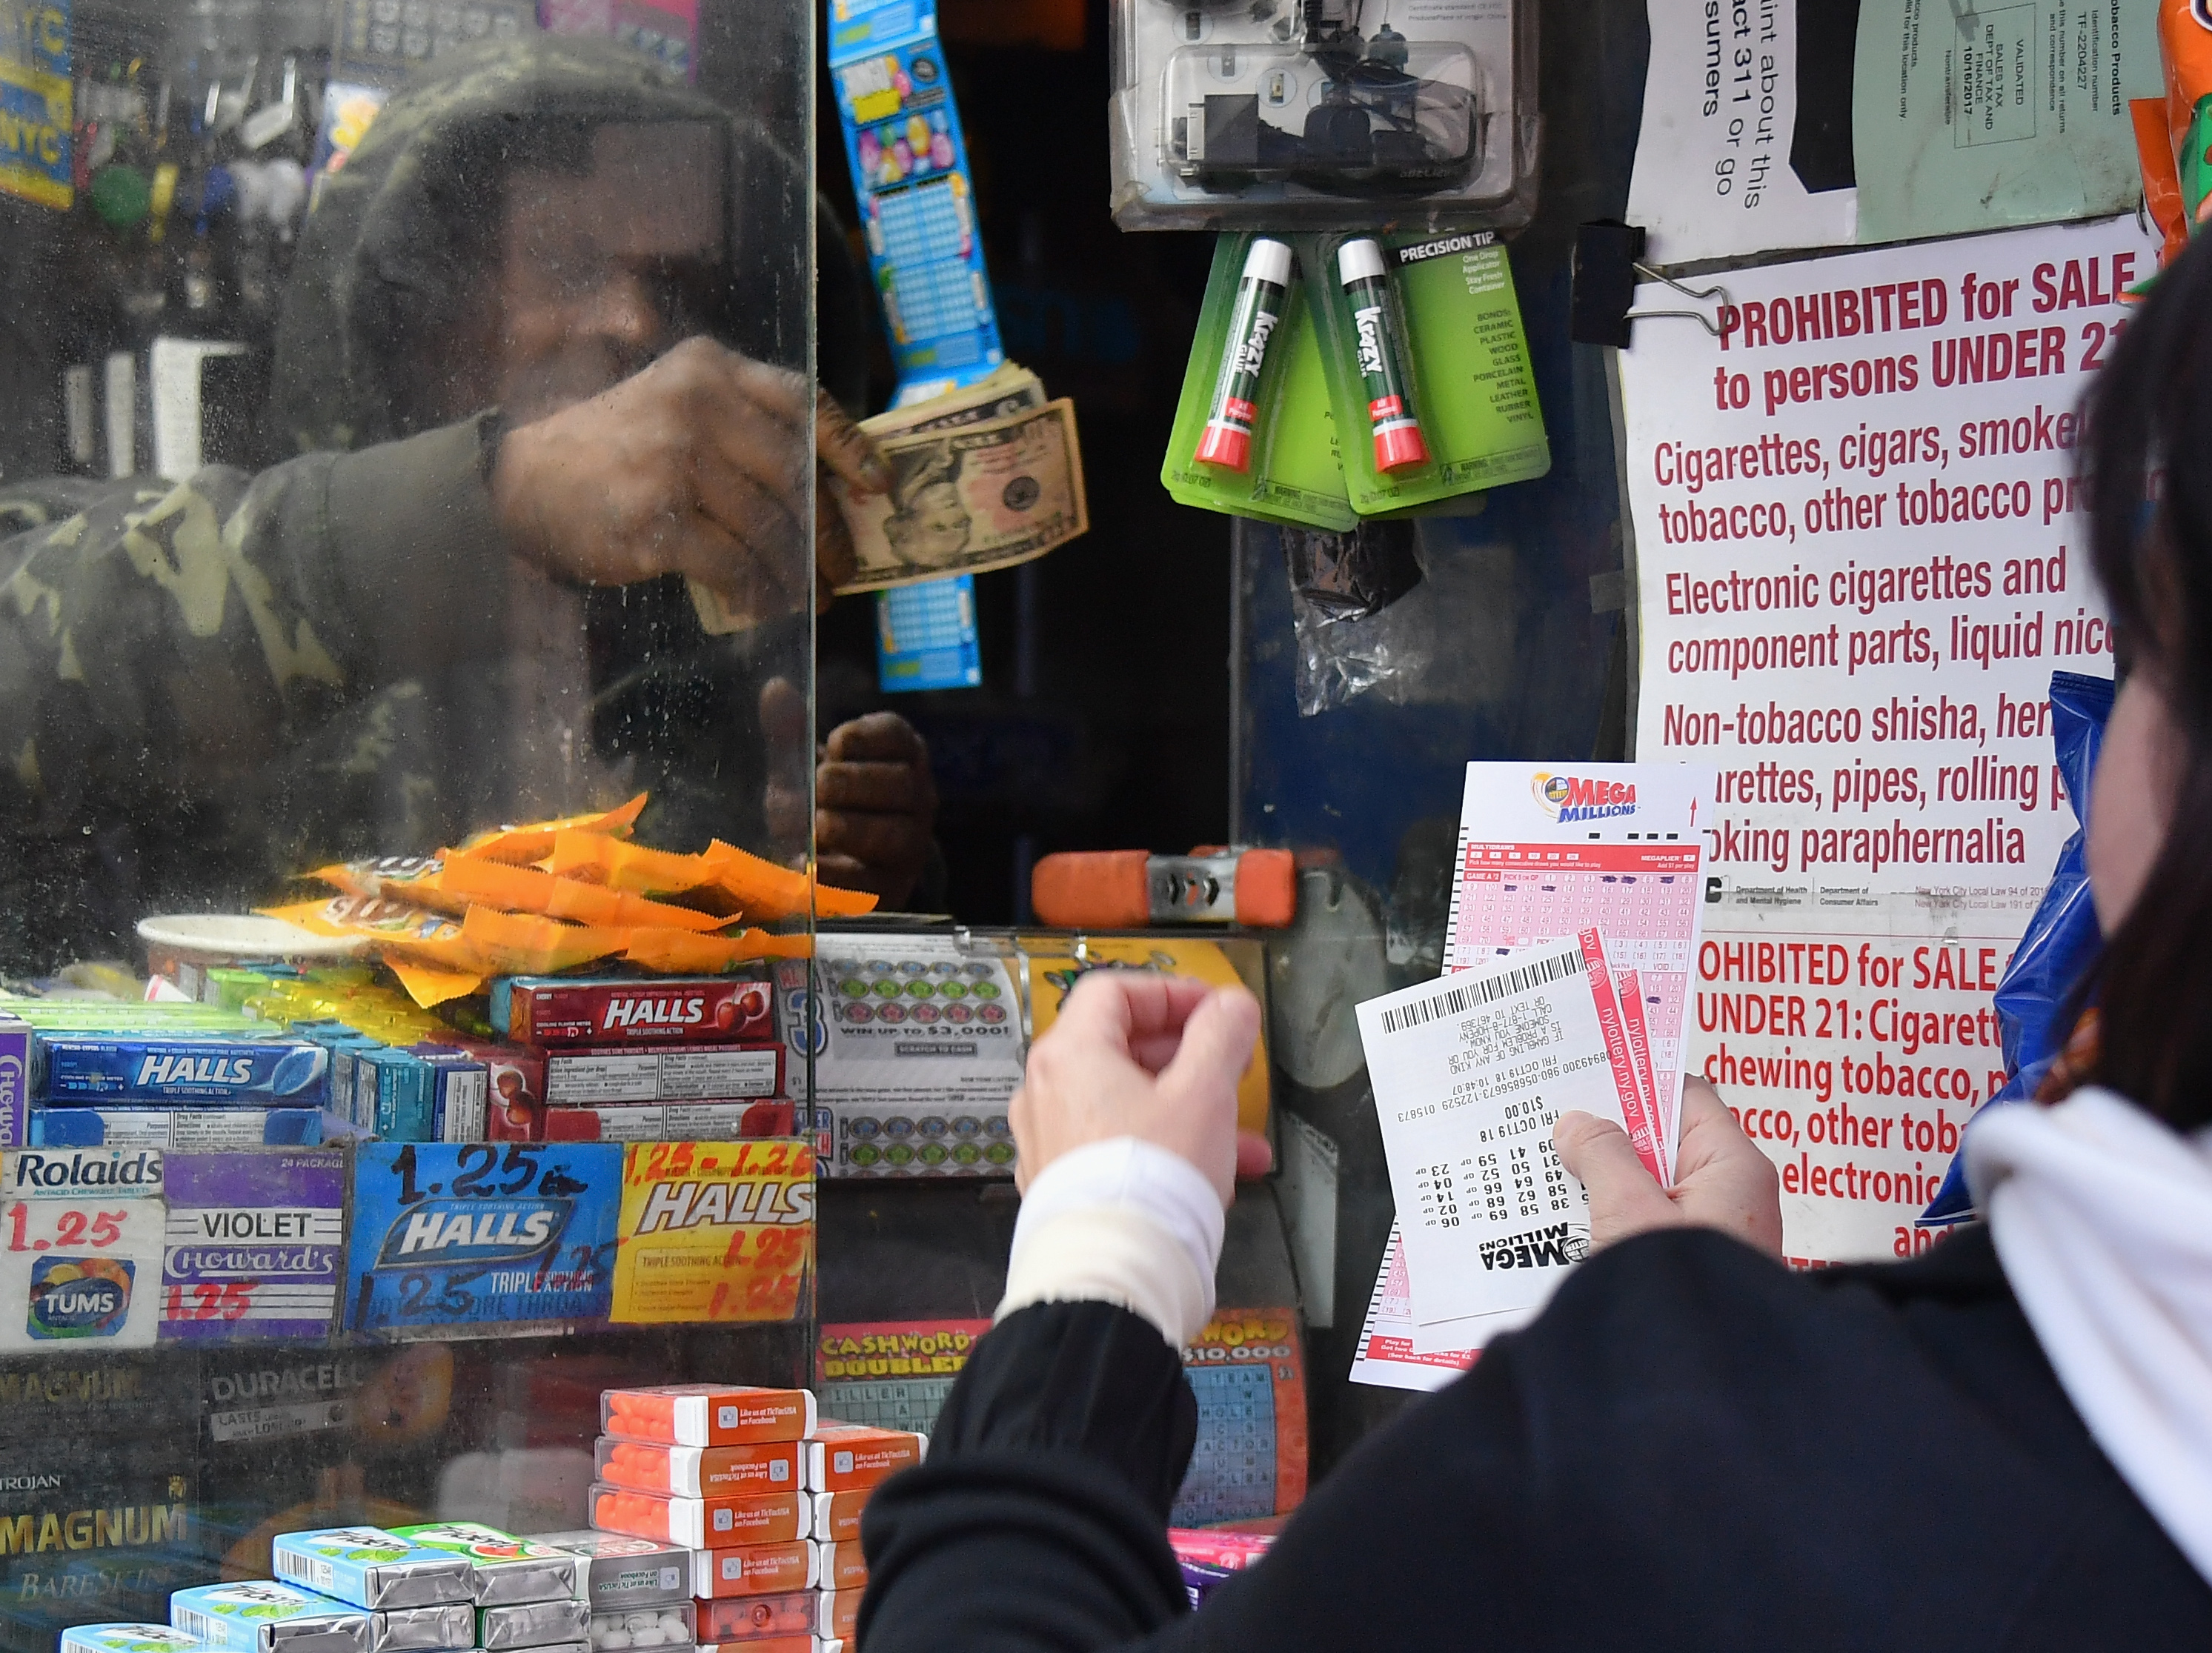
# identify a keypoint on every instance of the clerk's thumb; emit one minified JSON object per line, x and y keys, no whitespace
{"x":1216,"y":1043}
{"x":1601,"y":1156}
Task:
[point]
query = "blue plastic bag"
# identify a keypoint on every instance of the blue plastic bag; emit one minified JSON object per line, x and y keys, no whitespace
{"x":2062,"y":938}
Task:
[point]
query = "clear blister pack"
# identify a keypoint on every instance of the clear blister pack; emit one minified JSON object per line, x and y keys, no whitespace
{"x":1321,"y":113}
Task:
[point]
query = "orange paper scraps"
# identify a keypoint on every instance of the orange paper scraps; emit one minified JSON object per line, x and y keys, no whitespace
{"x":766,"y":891}
{"x":524,"y":889}
{"x":524,"y":944}
{"x":595,"y":859}
{"x":519,"y":844}
{"x":679,"y":953}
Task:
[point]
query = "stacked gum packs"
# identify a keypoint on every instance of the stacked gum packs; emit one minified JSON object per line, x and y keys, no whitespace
{"x":765,"y":1494}
{"x":344,"y":1589}
{"x":527,"y":1593}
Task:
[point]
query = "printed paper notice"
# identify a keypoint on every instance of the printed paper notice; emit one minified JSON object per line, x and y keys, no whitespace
{"x":2010,"y":113}
{"x":1470,"y":1073}
{"x":1860,"y":554}
{"x":1719,"y":172}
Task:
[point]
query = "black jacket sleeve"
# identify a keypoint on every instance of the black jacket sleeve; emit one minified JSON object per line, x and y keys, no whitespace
{"x":1051,"y":1473}
{"x":1691,"y":1447}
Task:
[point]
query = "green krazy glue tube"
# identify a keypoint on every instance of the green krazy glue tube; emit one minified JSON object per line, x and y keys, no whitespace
{"x":1227,"y":439}
{"x":1398,"y":442}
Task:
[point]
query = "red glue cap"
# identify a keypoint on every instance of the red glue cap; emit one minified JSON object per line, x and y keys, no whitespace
{"x":1397,"y":447}
{"x":1225,"y":445}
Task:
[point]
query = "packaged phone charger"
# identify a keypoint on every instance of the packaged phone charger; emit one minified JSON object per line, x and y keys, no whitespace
{"x":1323,"y":113}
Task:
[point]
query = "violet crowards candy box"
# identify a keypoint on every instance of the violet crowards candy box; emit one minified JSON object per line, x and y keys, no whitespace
{"x":71,"y":1068}
{"x":508,"y":1570}
{"x":372,"y":1568}
{"x":126,"y":1639}
{"x":265,"y":1616}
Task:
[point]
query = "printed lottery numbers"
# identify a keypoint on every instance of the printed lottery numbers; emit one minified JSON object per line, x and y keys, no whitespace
{"x":1439,"y":1196}
{"x":72,"y":1227}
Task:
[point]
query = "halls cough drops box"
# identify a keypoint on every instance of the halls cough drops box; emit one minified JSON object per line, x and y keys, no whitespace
{"x":714,"y":1232}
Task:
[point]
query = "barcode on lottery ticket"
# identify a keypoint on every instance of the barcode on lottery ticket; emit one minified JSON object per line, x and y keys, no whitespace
{"x":1489,"y":988}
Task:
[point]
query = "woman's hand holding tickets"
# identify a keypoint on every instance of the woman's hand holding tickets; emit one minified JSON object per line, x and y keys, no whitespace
{"x":1154,"y":1057}
{"x":1721,"y":1181}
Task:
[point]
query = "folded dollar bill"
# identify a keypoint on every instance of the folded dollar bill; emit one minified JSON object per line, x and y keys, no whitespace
{"x":984,"y":477}
{"x":966,"y":496}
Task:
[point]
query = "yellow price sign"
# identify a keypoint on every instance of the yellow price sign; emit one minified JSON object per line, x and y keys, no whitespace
{"x":714,"y":1232}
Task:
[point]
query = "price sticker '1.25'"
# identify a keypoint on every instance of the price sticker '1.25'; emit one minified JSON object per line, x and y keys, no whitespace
{"x":470,"y":1234}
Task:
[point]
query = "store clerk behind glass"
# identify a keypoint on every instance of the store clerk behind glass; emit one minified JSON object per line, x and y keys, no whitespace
{"x":539,"y":359}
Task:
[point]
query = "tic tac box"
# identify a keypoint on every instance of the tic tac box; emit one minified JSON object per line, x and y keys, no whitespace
{"x":622,"y":1573}
{"x":748,"y":1618}
{"x":841,"y":1567}
{"x":532,"y":1624}
{"x":837,"y":1612}
{"x":265,"y":1616}
{"x":126,"y":1639}
{"x":589,"y":1077}
{"x":837,"y":1515}
{"x":370,"y":1567}
{"x":755,"y":1570}
{"x":612,"y":1011}
{"x":671,"y":1121}
{"x":844,"y":1458}
{"x":508,"y":1570}
{"x":67,"y":1068}
{"x":15,"y":1082}
{"x":707,"y":1414}
{"x":761,"y":1467}
{"x":700,"y":1523}
{"x":669,"y":1625}
{"x":176,"y":1127}
{"x":451,"y":1625}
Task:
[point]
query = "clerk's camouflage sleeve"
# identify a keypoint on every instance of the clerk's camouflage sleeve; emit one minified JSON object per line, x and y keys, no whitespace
{"x":199,"y":683}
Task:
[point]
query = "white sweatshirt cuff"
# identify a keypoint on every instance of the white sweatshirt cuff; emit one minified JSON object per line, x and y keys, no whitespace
{"x":1124,"y":1222}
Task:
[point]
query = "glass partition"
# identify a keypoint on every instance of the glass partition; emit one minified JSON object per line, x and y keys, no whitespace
{"x":407,"y":429}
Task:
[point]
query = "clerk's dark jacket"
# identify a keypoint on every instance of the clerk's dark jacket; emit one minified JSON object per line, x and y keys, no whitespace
{"x":1690,"y":1449}
{"x":205,"y":688}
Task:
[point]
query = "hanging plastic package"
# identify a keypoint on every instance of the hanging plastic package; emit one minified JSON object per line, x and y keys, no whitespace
{"x":2062,"y":938}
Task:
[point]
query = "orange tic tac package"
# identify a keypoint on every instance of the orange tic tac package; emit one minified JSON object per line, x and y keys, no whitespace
{"x":696,"y":1523}
{"x":700,"y":1471}
{"x":844,"y":1458}
{"x":707,"y":1414}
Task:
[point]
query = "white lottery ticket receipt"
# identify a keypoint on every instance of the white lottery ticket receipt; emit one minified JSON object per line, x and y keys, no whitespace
{"x":1470,"y":1073}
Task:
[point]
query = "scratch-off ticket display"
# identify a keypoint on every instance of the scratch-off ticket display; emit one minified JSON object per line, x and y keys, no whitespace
{"x":473,"y":1234}
{"x":714,"y":1232}
{"x":1248,"y":1374}
{"x":1247,"y":1369}
{"x":81,"y":1247}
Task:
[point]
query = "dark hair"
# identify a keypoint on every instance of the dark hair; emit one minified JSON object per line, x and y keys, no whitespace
{"x":2148,"y":467}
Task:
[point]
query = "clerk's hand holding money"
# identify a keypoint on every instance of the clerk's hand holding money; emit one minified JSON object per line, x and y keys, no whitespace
{"x":695,"y":464}
{"x":1154,"y":1057}
{"x":1720,"y":1179}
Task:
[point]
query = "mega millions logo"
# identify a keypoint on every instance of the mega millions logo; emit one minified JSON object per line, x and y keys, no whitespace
{"x":1576,"y":797}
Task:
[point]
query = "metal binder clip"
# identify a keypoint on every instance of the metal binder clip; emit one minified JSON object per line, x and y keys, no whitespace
{"x":1608,"y":262}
